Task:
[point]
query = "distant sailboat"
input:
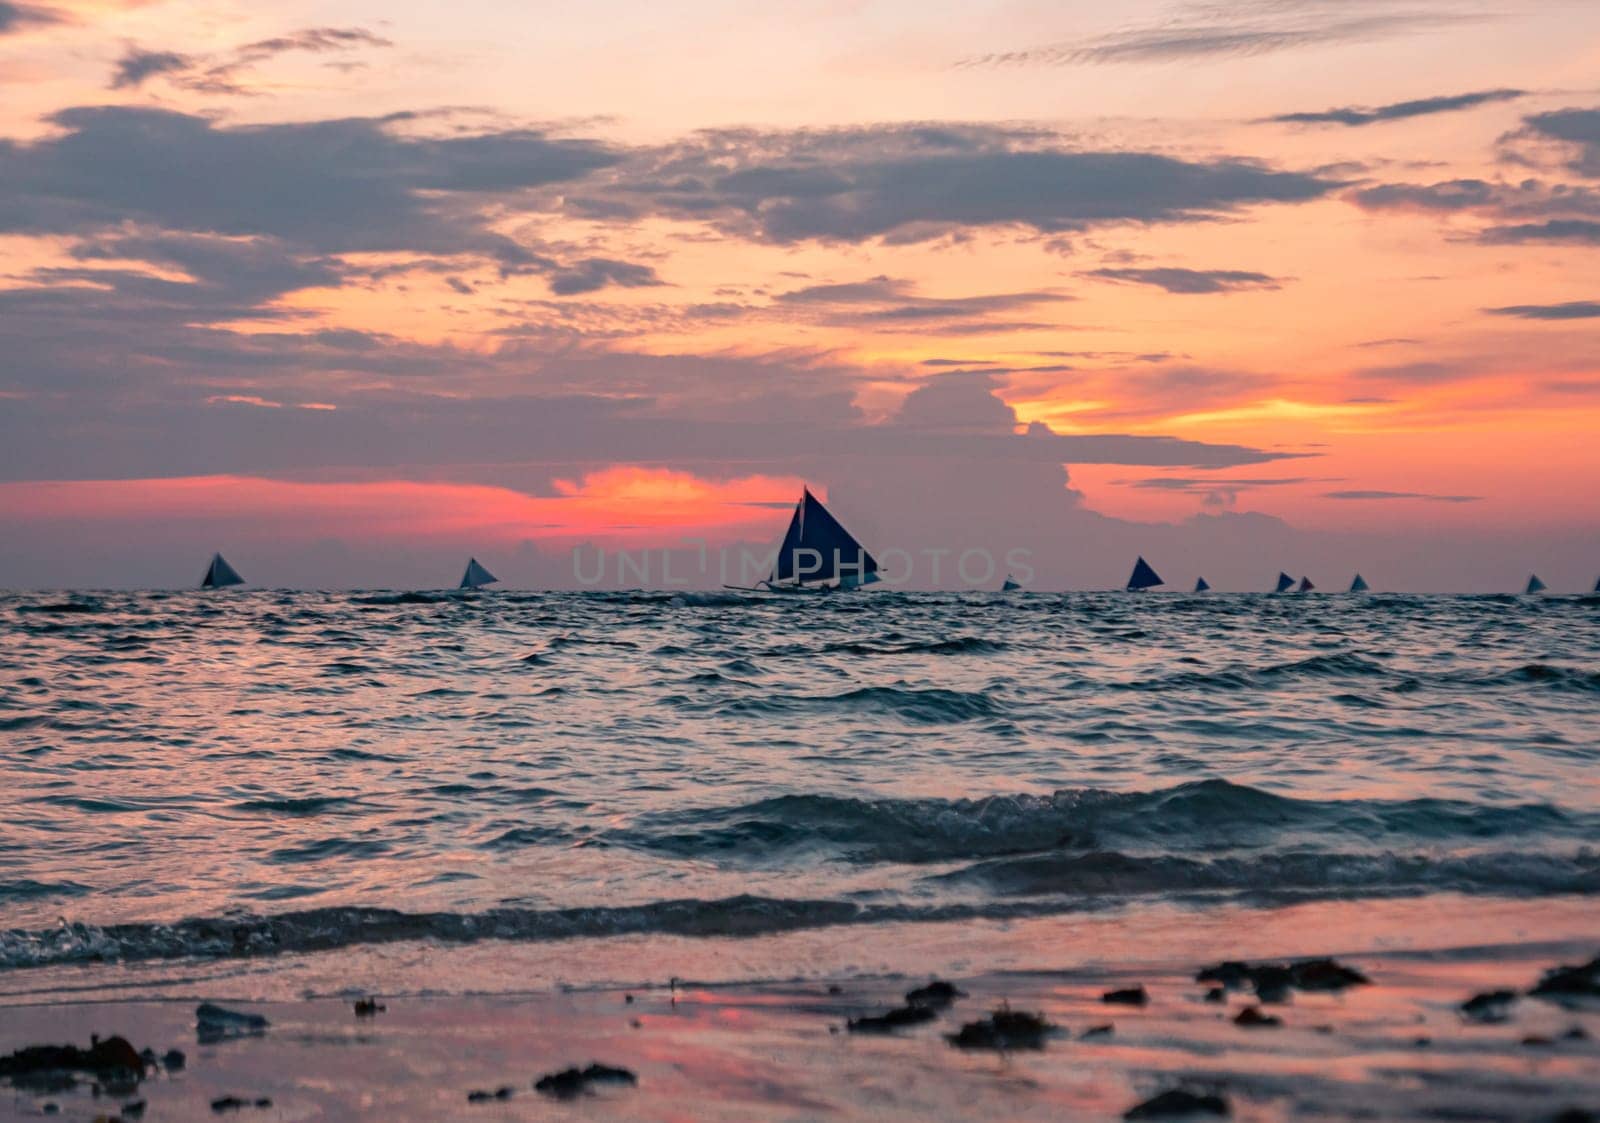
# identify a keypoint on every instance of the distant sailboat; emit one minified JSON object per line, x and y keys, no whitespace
{"x":1597,"y":584}
{"x":1535,"y":585}
{"x":1359,"y":585}
{"x":1305,"y":585}
{"x":1201,"y":585}
{"x":1285,"y":583}
{"x":1143,"y":577}
{"x":1010,"y":585}
{"x":818,"y":554}
{"x":219,"y":574}
{"x":476,"y":576}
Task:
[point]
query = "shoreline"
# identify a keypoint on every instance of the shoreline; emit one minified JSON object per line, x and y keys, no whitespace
{"x":774,"y":1050}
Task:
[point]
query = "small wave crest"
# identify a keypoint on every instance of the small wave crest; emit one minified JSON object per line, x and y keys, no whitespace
{"x":932,"y":706}
{"x":1302,"y":872}
{"x":1201,"y":815}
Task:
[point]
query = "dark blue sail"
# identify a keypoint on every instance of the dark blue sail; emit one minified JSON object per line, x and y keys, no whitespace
{"x":1009,"y":585}
{"x":476,"y":576}
{"x":1285,"y":583}
{"x":219,"y":574}
{"x":1359,"y":585}
{"x":1597,"y":584}
{"x":817,"y":549}
{"x":1535,"y":585}
{"x":1143,"y":577}
{"x":1201,"y":585}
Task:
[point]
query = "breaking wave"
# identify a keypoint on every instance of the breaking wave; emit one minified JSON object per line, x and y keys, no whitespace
{"x":1202,"y":815}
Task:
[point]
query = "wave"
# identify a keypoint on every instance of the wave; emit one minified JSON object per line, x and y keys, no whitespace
{"x":404,"y":598}
{"x":1343,"y":666}
{"x":962,"y":645}
{"x":1203,"y":814}
{"x":1035,"y":887}
{"x":925,"y":707}
{"x":1545,"y":674}
{"x":288,"y":805}
{"x":27,"y":889}
{"x":1298,"y":873}
{"x":63,"y":608}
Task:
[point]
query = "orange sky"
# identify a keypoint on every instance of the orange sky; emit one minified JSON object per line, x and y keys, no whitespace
{"x":678,"y":244}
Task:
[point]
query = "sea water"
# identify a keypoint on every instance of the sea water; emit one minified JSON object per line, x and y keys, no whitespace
{"x":248,"y":776}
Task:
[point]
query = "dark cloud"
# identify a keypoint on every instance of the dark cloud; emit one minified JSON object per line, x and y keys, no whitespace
{"x":595,"y":273}
{"x":1579,"y":129}
{"x":905,"y":183}
{"x":15,"y":17}
{"x":1217,"y":493}
{"x":1189,"y":281}
{"x":1530,"y":211}
{"x":1568,"y":231}
{"x":1204,"y":483}
{"x":137,"y":64}
{"x":733,"y":416}
{"x":357,"y":185}
{"x":317,"y":40}
{"x":224,"y":73}
{"x":1401,"y":495}
{"x":874,"y":290}
{"x":1571,"y":310}
{"x":237,"y":272}
{"x":1202,"y":30}
{"x":1530,"y":198}
{"x":1398,"y":111}
{"x":887,"y":302}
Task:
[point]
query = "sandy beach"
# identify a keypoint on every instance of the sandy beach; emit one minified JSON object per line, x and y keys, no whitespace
{"x":1399,"y":1047}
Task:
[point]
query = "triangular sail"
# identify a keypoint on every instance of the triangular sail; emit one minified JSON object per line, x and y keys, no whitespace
{"x":476,"y":576}
{"x":219,"y":574}
{"x":1359,"y":585}
{"x":1305,"y":585}
{"x":817,"y":549}
{"x":1535,"y":585}
{"x":1201,"y":585}
{"x":1597,"y":584}
{"x":1010,"y":584}
{"x":1143,"y":577}
{"x":1285,"y":583}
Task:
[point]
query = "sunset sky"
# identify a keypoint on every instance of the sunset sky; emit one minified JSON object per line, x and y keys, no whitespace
{"x":350,"y":290}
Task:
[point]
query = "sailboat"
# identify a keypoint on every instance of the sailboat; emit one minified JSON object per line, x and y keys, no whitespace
{"x":219,"y":574}
{"x":1359,"y":585}
{"x":1285,"y":582}
{"x":1535,"y":585}
{"x":817,"y":554}
{"x":1201,"y":585}
{"x":1305,"y":585}
{"x":1009,"y":585}
{"x":1597,"y":584}
{"x":1143,"y":577}
{"x":476,"y":576}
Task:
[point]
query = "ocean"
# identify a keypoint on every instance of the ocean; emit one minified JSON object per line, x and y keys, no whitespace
{"x":235,"y":778}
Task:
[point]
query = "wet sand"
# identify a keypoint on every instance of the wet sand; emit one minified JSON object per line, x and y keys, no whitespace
{"x":1398,"y":1048}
